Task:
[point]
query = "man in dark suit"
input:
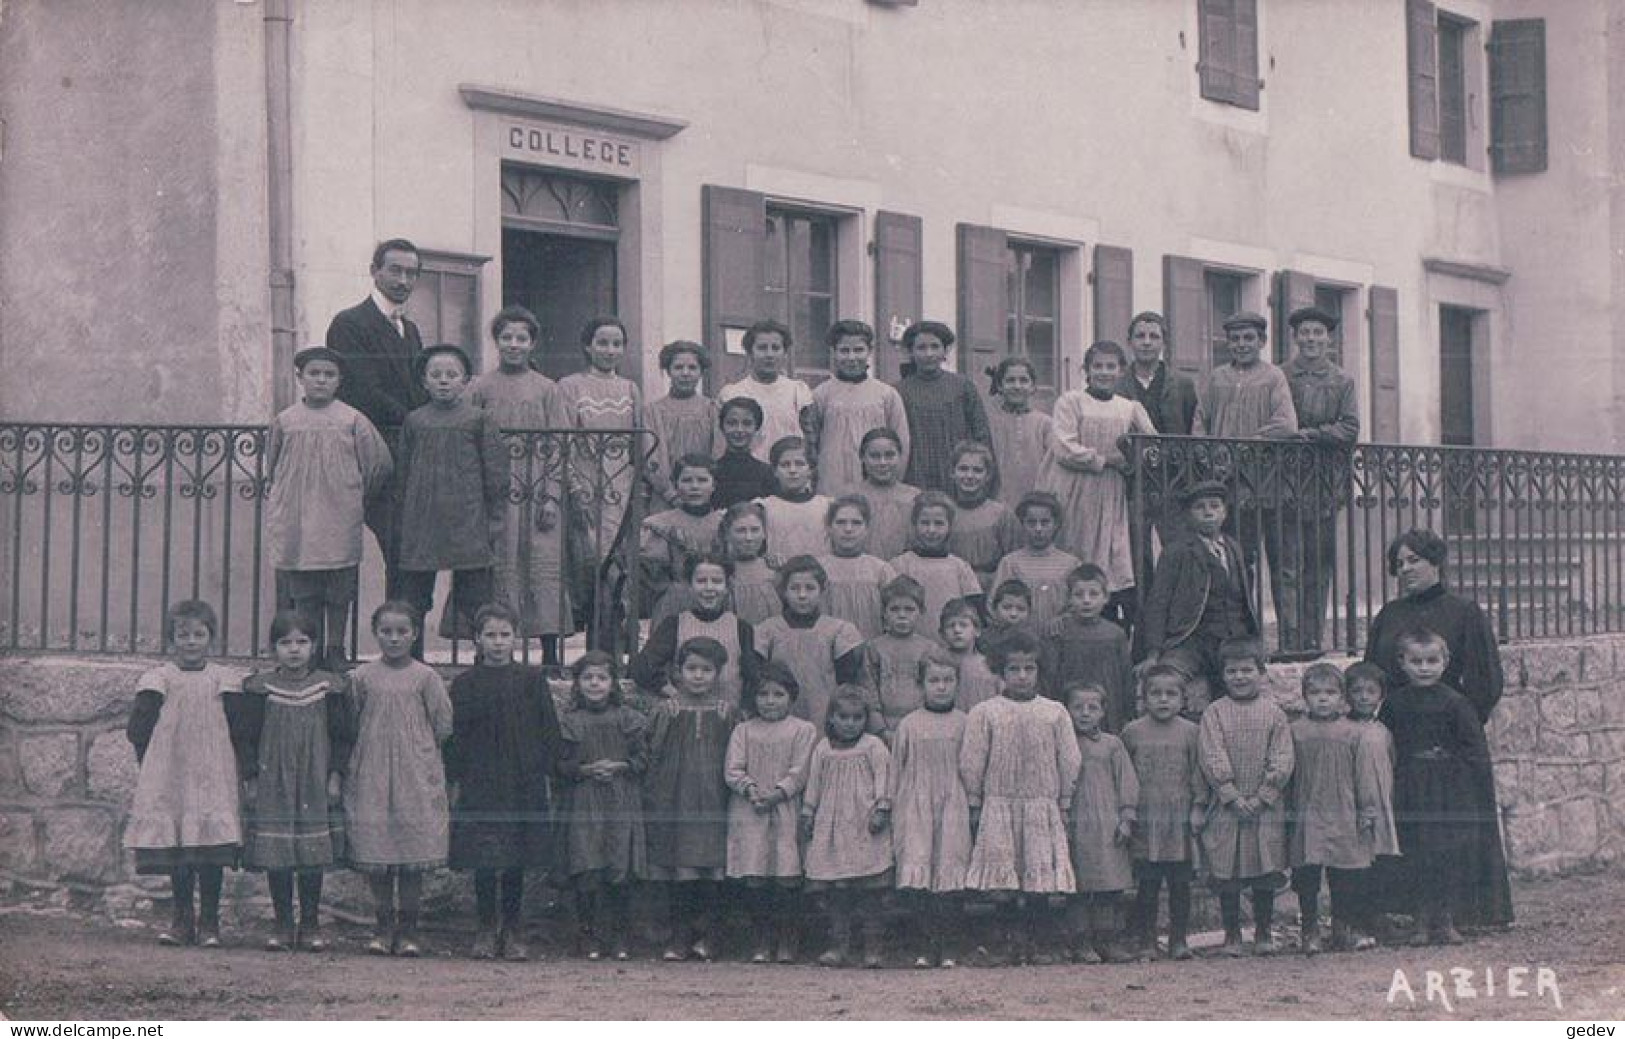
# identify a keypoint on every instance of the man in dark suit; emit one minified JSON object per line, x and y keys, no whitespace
{"x":379,"y":345}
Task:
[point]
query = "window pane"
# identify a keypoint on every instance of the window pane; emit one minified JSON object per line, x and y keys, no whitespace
{"x":1223,"y":300}
{"x":778,"y":256}
{"x":1330,"y":299}
{"x":1452,"y":90}
{"x":1041,"y":284}
{"x":821,"y":255}
{"x":459,"y":312}
{"x":1041,"y":350}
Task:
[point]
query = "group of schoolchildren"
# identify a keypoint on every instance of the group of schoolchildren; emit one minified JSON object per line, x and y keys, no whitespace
{"x":829,"y":707}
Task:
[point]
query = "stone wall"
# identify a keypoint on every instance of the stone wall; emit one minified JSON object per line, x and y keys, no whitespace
{"x":67,"y":771}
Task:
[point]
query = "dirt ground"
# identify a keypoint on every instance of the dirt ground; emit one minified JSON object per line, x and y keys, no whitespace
{"x":58,"y":965}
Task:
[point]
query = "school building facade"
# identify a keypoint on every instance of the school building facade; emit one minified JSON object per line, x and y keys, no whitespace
{"x":190,"y":190}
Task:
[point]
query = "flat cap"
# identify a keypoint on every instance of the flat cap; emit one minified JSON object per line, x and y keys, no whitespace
{"x":1302,"y":314}
{"x":1204,"y":489}
{"x":1244,"y":318}
{"x":317,"y":353}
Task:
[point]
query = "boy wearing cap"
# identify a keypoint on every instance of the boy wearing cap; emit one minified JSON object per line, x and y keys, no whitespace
{"x":324,"y":461}
{"x":1328,"y":417}
{"x":1248,"y":397}
{"x":1199,"y":595}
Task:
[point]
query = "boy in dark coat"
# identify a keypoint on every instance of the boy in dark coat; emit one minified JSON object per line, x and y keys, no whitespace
{"x":1199,"y":596}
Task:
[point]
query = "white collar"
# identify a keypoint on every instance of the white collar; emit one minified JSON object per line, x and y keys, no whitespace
{"x":387,"y":308}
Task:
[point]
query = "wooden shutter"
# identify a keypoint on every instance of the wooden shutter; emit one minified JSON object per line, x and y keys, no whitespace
{"x":1518,"y":95}
{"x":1422,"y":73}
{"x":1293,"y":289}
{"x":1114,"y":292}
{"x":735,"y":258}
{"x":984,"y":310}
{"x":1384,"y":316}
{"x":1229,"y":46}
{"x":899,"y":283}
{"x":1184,"y":304}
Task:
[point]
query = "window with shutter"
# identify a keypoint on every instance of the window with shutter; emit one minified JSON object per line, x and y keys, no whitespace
{"x":899,"y":285}
{"x":1422,"y":73}
{"x":1293,"y":289}
{"x":1518,"y":95}
{"x":1113,"y":292}
{"x":983,"y":288}
{"x":799,"y":281}
{"x":1033,"y":299}
{"x":1384,"y":315}
{"x":1452,"y":34}
{"x":1228,"y":68}
{"x":1184,"y":305}
{"x":735,"y":271}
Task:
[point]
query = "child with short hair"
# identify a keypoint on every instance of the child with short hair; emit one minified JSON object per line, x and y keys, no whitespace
{"x":600,"y":398}
{"x":395,"y":791}
{"x":769,"y":754}
{"x":754,"y":588}
{"x":1105,"y":805}
{"x":930,"y":814}
{"x":671,"y":538}
{"x":959,"y":629}
{"x":795,"y":515}
{"x":1173,"y":806}
{"x":708,"y":615}
{"x":781,"y":401}
{"x":1019,"y":763}
{"x":942,"y":574}
{"x":1246,"y":755}
{"x":1085,"y":469}
{"x":684,"y":421}
{"x":823,"y":652}
{"x":741,"y":475}
{"x":184,"y":818}
{"x":1332,"y":809}
{"x":891,"y":501}
{"x":1085,"y":647}
{"x":1038,"y":564}
{"x":891,"y":661}
{"x":1009,"y":610}
{"x":687,"y":796}
{"x":847,"y":407}
{"x":1021,"y":433}
{"x":855,"y":575}
{"x":530,"y":558}
{"x":325,"y":463}
{"x":984,"y":530}
{"x":505,"y":746}
{"x":1365,"y":685}
{"x":297,"y":734}
{"x":1443,"y":783}
{"x":454,"y":494}
{"x":845,"y":813}
{"x":943,"y":407}
{"x":602,"y":802}
{"x":1199,"y":596}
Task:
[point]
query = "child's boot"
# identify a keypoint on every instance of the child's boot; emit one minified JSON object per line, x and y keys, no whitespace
{"x":1263,"y":916}
{"x":182,"y":928}
{"x":210,"y":880}
{"x":309,"y":935}
{"x":407,"y":942}
{"x":1112,"y":949}
{"x":511,"y":939}
{"x":1442,"y":929}
{"x":874,"y":935}
{"x":1179,"y":921}
{"x":1142,"y":928}
{"x":1230,"y":911}
{"x":1309,"y":921}
{"x":762,"y":921}
{"x":282,"y":937}
{"x":840,"y":940}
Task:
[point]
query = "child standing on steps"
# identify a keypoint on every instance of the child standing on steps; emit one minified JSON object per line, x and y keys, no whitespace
{"x":891,"y":663}
{"x":931,"y":816}
{"x":942,"y":574}
{"x":856,"y":576}
{"x":960,"y":627}
{"x":943,"y":407}
{"x":1019,"y":763}
{"x":1085,"y":647}
{"x":505,"y":746}
{"x":686,"y":795}
{"x":754,"y":586}
{"x":741,"y":476}
{"x":1104,"y":807}
{"x":845,"y":814}
{"x":821,"y":651}
{"x":891,"y":501}
{"x":708,"y":616}
{"x":1173,"y":806}
{"x":298,"y":741}
{"x":985,"y":531}
{"x":1038,"y":564}
{"x":1365,"y":685}
{"x":670,"y":539}
{"x":326,"y":464}
{"x":684,"y":421}
{"x":184,"y":819}
{"x":603,"y":803}
{"x":1021,"y":433}
{"x":1246,"y":755}
{"x":395,"y":790}
{"x":795,"y":515}
{"x":768,"y":758}
{"x":847,"y":407}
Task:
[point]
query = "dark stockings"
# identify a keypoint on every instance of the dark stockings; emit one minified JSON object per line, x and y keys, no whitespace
{"x":511,"y":883}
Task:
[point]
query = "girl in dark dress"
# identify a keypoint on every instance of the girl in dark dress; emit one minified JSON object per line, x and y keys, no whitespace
{"x":1473,"y":669}
{"x":505,"y":743}
{"x":1444,"y":792}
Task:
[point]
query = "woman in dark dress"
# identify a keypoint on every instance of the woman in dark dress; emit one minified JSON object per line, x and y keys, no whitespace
{"x":1417,"y":559}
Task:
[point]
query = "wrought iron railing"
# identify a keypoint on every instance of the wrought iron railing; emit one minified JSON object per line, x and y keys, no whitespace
{"x":102,"y":527}
{"x":1535,"y":538}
